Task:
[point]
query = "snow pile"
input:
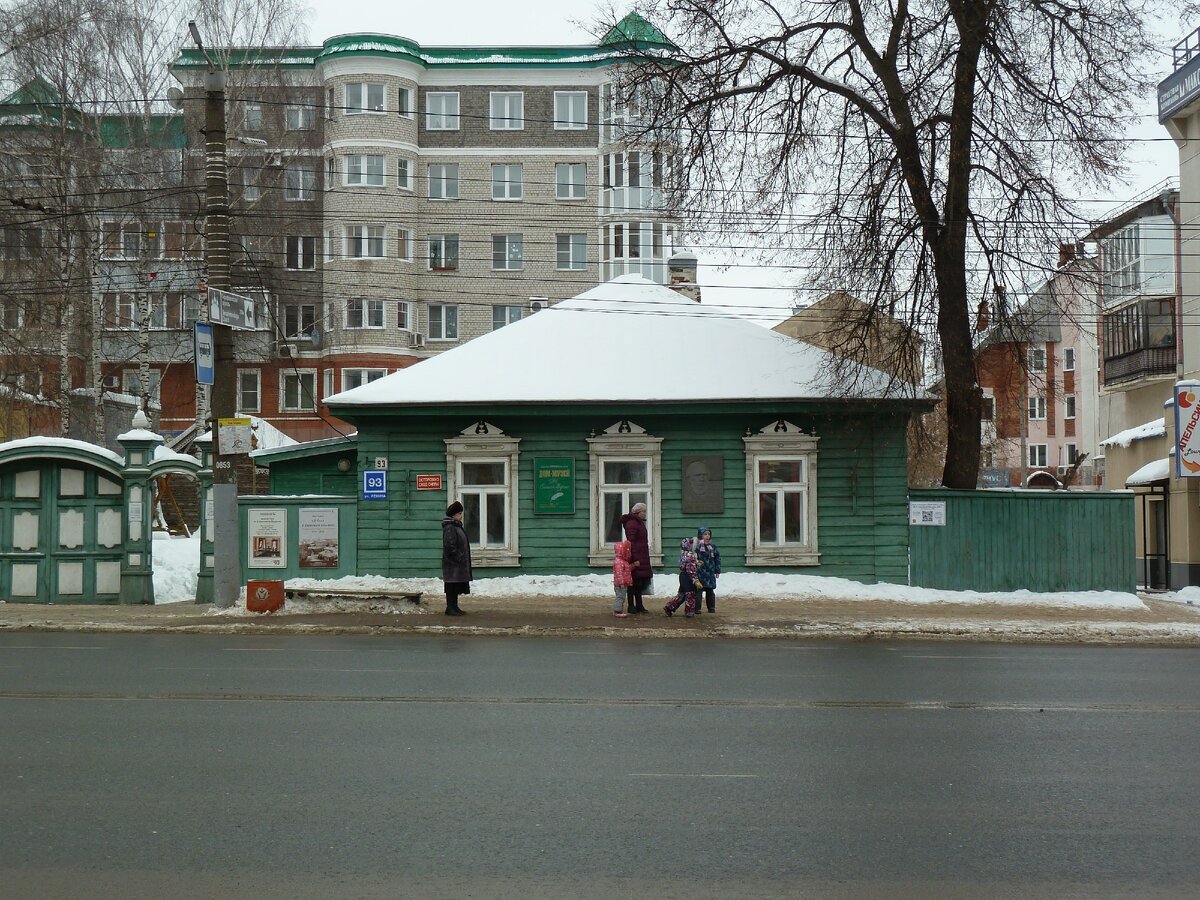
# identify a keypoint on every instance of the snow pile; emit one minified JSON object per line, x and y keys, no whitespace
{"x":176,"y":567}
{"x":1154,"y":429}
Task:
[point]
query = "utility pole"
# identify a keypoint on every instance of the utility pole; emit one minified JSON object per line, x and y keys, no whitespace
{"x":223,"y":405}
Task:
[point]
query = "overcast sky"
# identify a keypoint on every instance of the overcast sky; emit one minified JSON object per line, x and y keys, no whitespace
{"x":476,"y":22}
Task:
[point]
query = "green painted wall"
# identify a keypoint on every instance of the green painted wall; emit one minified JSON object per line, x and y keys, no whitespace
{"x":317,"y":474}
{"x":861,"y":471}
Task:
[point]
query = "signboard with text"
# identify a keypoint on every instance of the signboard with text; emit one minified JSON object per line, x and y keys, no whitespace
{"x":554,"y":485}
{"x":1187,"y":429}
{"x":234,"y":310}
{"x":429,"y":482}
{"x":374,"y":484}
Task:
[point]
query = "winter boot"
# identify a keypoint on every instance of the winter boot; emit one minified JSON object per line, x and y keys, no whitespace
{"x":629,"y":603}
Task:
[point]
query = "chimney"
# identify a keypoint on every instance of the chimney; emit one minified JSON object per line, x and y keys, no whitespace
{"x":682,"y":267}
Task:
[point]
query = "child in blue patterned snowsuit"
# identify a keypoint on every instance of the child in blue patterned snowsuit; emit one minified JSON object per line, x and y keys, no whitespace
{"x":708,"y":558}
{"x":689,"y":584}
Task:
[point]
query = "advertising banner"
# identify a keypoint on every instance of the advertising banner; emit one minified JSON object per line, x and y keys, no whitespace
{"x":318,"y":536}
{"x":267,"y":530}
{"x":554,"y":485}
{"x":1187,"y":429}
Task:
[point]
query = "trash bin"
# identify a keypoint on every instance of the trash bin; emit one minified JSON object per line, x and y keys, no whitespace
{"x":264,"y":596}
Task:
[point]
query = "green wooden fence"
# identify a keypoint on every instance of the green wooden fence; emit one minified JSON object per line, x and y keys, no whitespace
{"x":1036,"y":540}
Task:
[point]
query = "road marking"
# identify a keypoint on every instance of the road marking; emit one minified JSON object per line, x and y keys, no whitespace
{"x":48,"y":647}
{"x":683,"y":775}
{"x":935,"y":656}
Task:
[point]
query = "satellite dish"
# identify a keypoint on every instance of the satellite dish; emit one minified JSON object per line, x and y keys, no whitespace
{"x":175,"y":98}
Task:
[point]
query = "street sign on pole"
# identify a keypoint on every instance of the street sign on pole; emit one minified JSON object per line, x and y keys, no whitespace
{"x":234,"y":310}
{"x":206,"y":359}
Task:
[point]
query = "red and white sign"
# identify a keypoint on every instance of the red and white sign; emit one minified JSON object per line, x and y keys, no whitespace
{"x":429,"y":482}
{"x":1187,"y":429}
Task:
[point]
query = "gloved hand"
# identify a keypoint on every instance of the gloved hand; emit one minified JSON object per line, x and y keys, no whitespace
{"x":697,"y":584}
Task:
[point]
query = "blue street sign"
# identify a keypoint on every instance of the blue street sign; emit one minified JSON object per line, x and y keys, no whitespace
{"x":374,"y":484}
{"x":206,"y":361}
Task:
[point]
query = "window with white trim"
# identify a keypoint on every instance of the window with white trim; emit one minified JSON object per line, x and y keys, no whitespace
{"x":506,"y":315}
{"x":299,"y":319}
{"x":443,"y":322}
{"x":299,"y":183}
{"x":119,"y":310}
{"x":364,"y":313}
{"x":333,"y":243}
{"x":1068,"y":359}
{"x":781,"y":497}
{"x":301,"y":252}
{"x":1037,"y":456}
{"x":624,"y":468}
{"x":364,"y":170}
{"x":443,"y":181}
{"x":404,"y":244}
{"x":131,"y":384}
{"x":405,"y":320}
{"x":506,"y":110}
{"x":298,"y":390}
{"x":249,"y":384}
{"x":482,"y":466}
{"x":364,"y":97}
{"x":250,"y":179}
{"x":1072,"y":454}
{"x":252,"y":118}
{"x":365,"y":242}
{"x":441,"y":111}
{"x":1069,"y":406}
{"x":443,"y":252}
{"x":571,"y":252}
{"x":404,"y":174}
{"x":353,"y":378}
{"x":327,"y":383}
{"x":1036,"y":358}
{"x":404,"y":104}
{"x":1037,"y":408}
{"x":570,"y":110}
{"x":508,"y":252}
{"x":570,"y":181}
{"x":507,"y":181}
{"x":299,"y":117}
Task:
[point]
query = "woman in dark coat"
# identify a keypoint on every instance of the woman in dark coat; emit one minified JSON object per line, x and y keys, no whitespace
{"x":456,"y":558}
{"x":634,"y":523}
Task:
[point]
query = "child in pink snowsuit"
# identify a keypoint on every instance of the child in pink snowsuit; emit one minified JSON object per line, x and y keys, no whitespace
{"x":689,"y":584}
{"x":622,"y":578}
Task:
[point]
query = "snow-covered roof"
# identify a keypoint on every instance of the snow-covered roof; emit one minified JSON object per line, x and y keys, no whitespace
{"x":628,"y":339}
{"x":1159,"y":470}
{"x":1156,"y":428}
{"x":47,"y":443}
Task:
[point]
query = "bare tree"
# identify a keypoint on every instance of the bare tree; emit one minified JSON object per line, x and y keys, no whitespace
{"x":920,"y":152}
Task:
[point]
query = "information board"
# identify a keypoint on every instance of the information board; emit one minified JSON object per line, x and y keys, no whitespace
{"x":554,"y":485}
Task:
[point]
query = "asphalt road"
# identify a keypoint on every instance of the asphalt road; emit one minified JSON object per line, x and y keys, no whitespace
{"x":225,"y":766}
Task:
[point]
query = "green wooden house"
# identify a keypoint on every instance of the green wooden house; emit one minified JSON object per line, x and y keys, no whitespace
{"x":550,"y":428}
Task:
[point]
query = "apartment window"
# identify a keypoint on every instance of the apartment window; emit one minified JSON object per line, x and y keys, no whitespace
{"x":122,"y":240}
{"x":505,"y":315}
{"x":298,"y":391}
{"x":482,"y":473}
{"x":1037,"y":456}
{"x":299,"y":183}
{"x":248,"y":387}
{"x":569,"y":180}
{"x":441,"y":111}
{"x":131,"y":384}
{"x":330,"y":173}
{"x":252,"y":121}
{"x":327,"y":384}
{"x":181,"y":311}
{"x":330,"y":103}
{"x":1037,"y":408}
{"x":404,"y":104}
{"x":572,"y":251}
{"x":507,"y":111}
{"x":299,"y":117}
{"x":570,"y":110}
{"x":443,"y":322}
{"x":180,"y":239}
{"x":157,"y":305}
{"x":301,"y":252}
{"x":333,"y":243}
{"x":299,"y":320}
{"x":1069,"y":406}
{"x":364,"y":97}
{"x":508,"y":252}
{"x":364,"y":241}
{"x":26,"y":243}
{"x":404,"y":174}
{"x":1072,"y":454}
{"x":119,"y":310}
{"x":987,"y":409}
{"x":1037,"y":359}
{"x":507,"y":182}
{"x":353,"y":378}
{"x":1068,"y":359}
{"x":625,"y":466}
{"x":11,"y":314}
{"x":404,"y":244}
{"x":364,"y":170}
{"x":405,"y":319}
{"x":781,"y":502}
{"x":443,"y":181}
{"x":364,"y":313}
{"x":443,"y":253}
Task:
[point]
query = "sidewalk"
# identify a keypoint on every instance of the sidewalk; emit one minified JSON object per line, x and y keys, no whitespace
{"x":1161,"y":623}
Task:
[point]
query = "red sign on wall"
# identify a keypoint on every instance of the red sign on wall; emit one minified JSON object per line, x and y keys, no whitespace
{"x":429,"y":482}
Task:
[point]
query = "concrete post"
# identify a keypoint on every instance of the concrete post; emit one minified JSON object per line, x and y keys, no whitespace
{"x":137,"y":572}
{"x":204,"y":587}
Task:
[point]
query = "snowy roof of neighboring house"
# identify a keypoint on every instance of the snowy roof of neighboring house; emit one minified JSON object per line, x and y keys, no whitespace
{"x":306,"y":448}
{"x":57,"y":443}
{"x":1156,"y":428}
{"x":1152,"y":472}
{"x":627,"y":340}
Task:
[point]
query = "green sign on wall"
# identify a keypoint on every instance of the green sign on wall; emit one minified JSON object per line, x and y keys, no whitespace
{"x":554,"y":484}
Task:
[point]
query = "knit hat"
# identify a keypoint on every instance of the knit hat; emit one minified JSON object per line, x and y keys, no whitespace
{"x":454,"y":508}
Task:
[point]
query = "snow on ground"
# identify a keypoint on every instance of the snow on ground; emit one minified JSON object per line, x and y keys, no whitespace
{"x":176,"y":567}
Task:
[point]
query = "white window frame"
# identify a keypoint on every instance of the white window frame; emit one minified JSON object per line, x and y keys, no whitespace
{"x":1035,"y":408}
{"x":501,"y":112}
{"x":789,"y":443}
{"x":574,"y":190}
{"x":405,"y":243}
{"x":624,"y":441}
{"x":404,"y":102}
{"x":371,"y":313}
{"x":442,"y":239}
{"x":297,"y":374}
{"x":299,"y":117}
{"x":513,"y":255}
{"x":367,"y":375}
{"x":1036,"y":359}
{"x":504,"y":187}
{"x":405,"y":313}
{"x":563,"y":121}
{"x":252,"y":116}
{"x":512,"y":313}
{"x":1069,"y":406}
{"x":241,"y":390}
{"x":360,"y":105}
{"x":131,"y":383}
{"x":251,"y":176}
{"x":1068,"y":359}
{"x":440,"y":174}
{"x":441,"y":119}
{"x":300,"y":256}
{"x":301,"y":331}
{"x":361,"y":240}
{"x":404,"y":173}
{"x":1070,"y":450}
{"x":573,"y":264}
{"x":437,"y":313}
{"x":484,"y":443}
{"x":306,"y":187}
{"x":1034,"y":455}
{"x":357,"y":170}
{"x":327,"y":385}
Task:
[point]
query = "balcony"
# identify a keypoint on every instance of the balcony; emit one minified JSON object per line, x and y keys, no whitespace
{"x":1152,"y":362}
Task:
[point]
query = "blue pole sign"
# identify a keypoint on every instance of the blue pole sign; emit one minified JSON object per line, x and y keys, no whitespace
{"x":374,"y":484}
{"x":206,"y":361}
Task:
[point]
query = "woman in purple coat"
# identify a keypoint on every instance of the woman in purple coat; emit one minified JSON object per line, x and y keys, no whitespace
{"x":634,"y":523}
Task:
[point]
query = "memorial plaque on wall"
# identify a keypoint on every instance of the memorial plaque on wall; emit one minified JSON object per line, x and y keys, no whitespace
{"x":703,"y":484}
